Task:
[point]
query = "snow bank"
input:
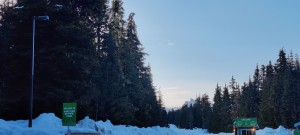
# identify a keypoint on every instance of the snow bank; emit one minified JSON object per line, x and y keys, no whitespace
{"x":49,"y":124}
{"x":45,"y":124}
{"x":279,"y":131}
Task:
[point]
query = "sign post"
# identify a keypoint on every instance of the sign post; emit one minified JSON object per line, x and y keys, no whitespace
{"x":69,"y":115}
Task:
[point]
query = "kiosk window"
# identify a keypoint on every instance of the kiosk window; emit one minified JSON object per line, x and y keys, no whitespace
{"x":246,"y":132}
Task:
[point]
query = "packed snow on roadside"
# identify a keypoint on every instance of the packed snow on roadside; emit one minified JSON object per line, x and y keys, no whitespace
{"x":49,"y":124}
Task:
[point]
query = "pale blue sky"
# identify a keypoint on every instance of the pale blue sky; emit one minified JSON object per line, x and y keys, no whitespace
{"x":195,"y":44}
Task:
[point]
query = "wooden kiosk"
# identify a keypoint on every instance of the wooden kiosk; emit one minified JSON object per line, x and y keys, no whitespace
{"x":245,"y":126}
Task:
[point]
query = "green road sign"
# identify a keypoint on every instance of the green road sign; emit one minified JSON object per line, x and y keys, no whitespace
{"x":69,"y":114}
{"x":296,"y":132}
{"x":245,"y":122}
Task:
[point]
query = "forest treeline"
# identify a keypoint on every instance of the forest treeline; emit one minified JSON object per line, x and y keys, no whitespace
{"x":272,"y":95}
{"x":86,"y":53}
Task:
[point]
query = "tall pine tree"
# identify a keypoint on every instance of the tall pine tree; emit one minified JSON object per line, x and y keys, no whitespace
{"x":226,"y":111}
{"x":216,"y":111}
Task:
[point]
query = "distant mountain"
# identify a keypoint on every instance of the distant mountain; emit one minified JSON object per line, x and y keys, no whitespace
{"x":168,"y":109}
{"x":190,"y":103}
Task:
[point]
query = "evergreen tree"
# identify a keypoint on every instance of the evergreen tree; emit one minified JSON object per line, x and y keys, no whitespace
{"x":197,"y":113}
{"x":257,"y":80}
{"x":117,"y":82}
{"x":177,"y":118}
{"x":249,"y":100}
{"x":206,"y":112}
{"x":171,"y":117}
{"x":278,"y":85}
{"x":162,"y":121}
{"x":132,"y":58}
{"x":235,"y":96}
{"x":288,"y":100}
{"x":250,"y":96}
{"x":216,"y":111}
{"x":226,"y":111}
{"x":245,"y":98}
{"x":186,"y":119}
{"x":5,"y":54}
{"x":63,"y":59}
{"x":266,"y":107}
{"x":117,"y":23}
{"x":297,"y":86}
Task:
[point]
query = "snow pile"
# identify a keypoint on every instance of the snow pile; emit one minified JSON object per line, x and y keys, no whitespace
{"x":45,"y":124}
{"x":195,"y":131}
{"x":279,"y":131}
{"x":86,"y":125}
{"x":109,"y":129}
{"x":49,"y":124}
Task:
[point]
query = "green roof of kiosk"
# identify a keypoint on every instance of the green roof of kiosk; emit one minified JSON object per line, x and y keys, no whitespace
{"x":245,"y":122}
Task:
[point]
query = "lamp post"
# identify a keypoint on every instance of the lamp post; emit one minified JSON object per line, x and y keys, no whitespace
{"x":44,"y":18}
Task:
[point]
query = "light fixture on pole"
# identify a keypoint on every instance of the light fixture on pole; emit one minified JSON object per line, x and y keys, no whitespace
{"x":44,"y":18}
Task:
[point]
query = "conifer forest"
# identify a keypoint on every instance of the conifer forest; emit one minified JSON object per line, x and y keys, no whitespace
{"x":86,"y":53}
{"x":90,"y":54}
{"x":272,"y":95}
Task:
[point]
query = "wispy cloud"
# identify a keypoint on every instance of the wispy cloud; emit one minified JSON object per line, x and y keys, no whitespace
{"x":167,"y":43}
{"x":174,"y":96}
{"x":170,"y":88}
{"x":170,"y":43}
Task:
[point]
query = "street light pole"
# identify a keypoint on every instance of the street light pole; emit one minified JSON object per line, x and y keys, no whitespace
{"x":32,"y":66}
